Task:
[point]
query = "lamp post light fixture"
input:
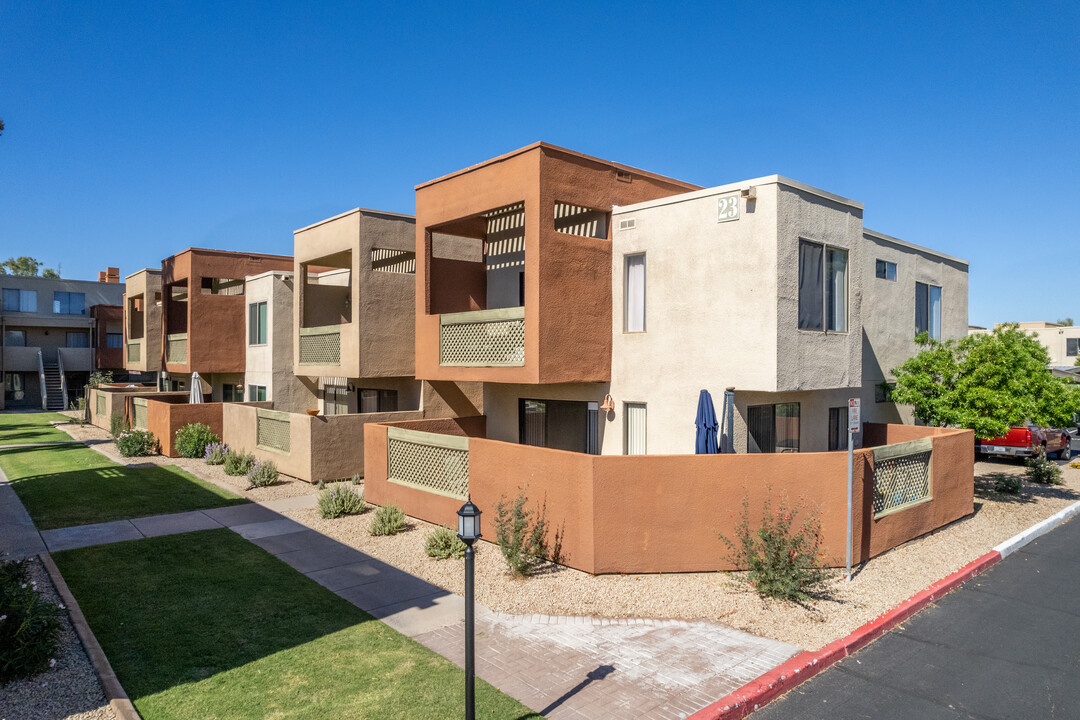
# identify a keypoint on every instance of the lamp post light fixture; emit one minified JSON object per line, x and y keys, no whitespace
{"x":469,"y":532}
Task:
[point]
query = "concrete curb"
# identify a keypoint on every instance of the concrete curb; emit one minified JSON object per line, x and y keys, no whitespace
{"x":804,"y":666}
{"x":1020,"y":540}
{"x":114,"y":693}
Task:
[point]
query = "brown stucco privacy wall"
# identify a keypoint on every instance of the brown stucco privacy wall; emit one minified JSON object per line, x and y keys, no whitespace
{"x":115,"y":402}
{"x":320,"y":448}
{"x":664,"y":513}
{"x":215,"y":324}
{"x":567,"y":277}
{"x":166,"y":415}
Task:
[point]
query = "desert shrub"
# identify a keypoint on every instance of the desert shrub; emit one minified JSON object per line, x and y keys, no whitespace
{"x":29,"y":625}
{"x":388,"y":520}
{"x":1007,"y":483}
{"x":442,"y":543}
{"x":1040,"y":469}
{"x":262,"y":473}
{"x":783,"y":562}
{"x":321,"y":485}
{"x":521,"y":534}
{"x":238,"y":463}
{"x":136,"y":443}
{"x":1075,"y":464}
{"x":339,"y":500}
{"x":192,"y":439}
{"x":99,"y":377}
{"x":79,"y":406}
{"x":356,"y":479}
{"x":215,"y":453}
{"x":117,"y":425}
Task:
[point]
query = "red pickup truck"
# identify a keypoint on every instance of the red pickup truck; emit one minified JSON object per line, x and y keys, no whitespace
{"x":1025,"y":441}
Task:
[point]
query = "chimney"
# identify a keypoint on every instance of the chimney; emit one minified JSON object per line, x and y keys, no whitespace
{"x":111,"y":275}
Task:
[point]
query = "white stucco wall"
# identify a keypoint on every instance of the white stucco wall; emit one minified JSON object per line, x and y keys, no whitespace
{"x":722,"y":307}
{"x":271,"y":364}
{"x":1055,"y":338}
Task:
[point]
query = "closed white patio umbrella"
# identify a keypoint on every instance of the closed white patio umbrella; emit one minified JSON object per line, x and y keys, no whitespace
{"x":196,"y":395}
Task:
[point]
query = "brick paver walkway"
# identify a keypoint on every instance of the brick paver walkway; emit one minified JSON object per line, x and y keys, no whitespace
{"x":562,"y":667}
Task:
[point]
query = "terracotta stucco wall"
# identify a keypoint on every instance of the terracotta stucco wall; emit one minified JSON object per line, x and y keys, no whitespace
{"x":108,"y":316}
{"x":664,"y":513}
{"x":165,"y":416}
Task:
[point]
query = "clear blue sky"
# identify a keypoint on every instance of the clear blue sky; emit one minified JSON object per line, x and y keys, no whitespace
{"x":136,"y":129}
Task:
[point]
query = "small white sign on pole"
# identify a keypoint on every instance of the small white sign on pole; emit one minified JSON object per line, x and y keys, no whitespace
{"x":854,"y":419}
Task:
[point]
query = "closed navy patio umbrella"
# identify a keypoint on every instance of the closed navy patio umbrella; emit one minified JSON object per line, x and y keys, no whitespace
{"x":706,"y":425}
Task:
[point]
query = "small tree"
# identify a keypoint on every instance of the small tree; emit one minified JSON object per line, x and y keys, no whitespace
{"x":987,"y":383}
{"x":521,"y":534}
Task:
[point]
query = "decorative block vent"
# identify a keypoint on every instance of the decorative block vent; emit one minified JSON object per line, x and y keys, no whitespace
{"x":139,"y":423}
{"x":629,"y":224}
{"x":272,"y":430}
{"x":320,"y":346}
{"x":434,"y":463}
{"x":134,"y":352}
{"x":487,"y":338}
{"x":100,"y":403}
{"x":901,"y":476}
{"x":176,"y":349}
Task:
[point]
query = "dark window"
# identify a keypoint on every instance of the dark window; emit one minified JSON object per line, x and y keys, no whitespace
{"x":257,"y":323}
{"x":15,"y":338}
{"x":772,"y":428}
{"x":256,"y":393}
{"x":77,"y":340}
{"x":114,"y":340}
{"x":811,"y":291}
{"x":928,"y":310}
{"x":20,"y":300}
{"x":886,"y":270}
{"x":1072,"y":345}
{"x":372,"y":400}
{"x":559,"y":424}
{"x":69,"y":303}
{"x":883,"y":392}
{"x":838,"y":420}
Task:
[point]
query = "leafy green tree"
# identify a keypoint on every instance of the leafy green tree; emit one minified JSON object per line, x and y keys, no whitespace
{"x":26,"y":267}
{"x":1067,"y":322}
{"x":988,"y":383}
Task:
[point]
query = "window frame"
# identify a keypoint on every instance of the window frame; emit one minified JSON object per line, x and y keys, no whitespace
{"x":929,"y":313}
{"x":823,"y":288}
{"x":257,"y":324}
{"x":108,"y":340}
{"x":18,"y":293}
{"x":775,"y":434}
{"x":64,"y":297}
{"x":879,"y":265}
{"x":1075,"y":344}
{"x":254,"y":391}
{"x":77,"y":333}
{"x":626,"y":426}
{"x":644,"y":292}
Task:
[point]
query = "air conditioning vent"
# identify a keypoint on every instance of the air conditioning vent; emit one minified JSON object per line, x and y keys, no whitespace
{"x":627,"y":224}
{"x":623,"y":176}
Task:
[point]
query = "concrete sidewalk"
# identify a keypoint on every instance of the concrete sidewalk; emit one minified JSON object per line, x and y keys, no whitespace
{"x":560,"y":667}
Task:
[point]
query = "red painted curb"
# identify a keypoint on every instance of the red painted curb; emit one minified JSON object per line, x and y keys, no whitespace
{"x":806,"y":665}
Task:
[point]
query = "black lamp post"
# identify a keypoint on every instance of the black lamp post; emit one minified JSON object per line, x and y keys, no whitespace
{"x":469,"y":532}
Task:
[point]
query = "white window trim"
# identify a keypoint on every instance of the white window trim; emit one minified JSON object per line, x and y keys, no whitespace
{"x":644,"y":293}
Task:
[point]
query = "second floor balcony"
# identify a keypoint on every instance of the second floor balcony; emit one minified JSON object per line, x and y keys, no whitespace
{"x":483,"y":338}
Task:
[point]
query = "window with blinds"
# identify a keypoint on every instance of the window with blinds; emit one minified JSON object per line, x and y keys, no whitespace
{"x":634,"y":439}
{"x":634,"y":300}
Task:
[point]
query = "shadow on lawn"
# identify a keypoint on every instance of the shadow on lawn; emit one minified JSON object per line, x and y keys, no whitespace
{"x":92,"y":489}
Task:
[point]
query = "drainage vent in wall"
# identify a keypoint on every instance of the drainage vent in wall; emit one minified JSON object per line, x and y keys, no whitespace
{"x":627,"y":224}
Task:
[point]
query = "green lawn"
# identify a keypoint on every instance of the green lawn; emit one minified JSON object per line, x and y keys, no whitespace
{"x":18,"y":428}
{"x":206,"y":625}
{"x":65,"y":485}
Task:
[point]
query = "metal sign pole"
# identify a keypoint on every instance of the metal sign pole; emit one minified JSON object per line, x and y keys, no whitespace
{"x":850,"y":466}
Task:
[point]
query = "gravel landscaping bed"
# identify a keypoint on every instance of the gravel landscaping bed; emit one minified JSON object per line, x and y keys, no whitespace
{"x":70,"y":690}
{"x":882,"y":584}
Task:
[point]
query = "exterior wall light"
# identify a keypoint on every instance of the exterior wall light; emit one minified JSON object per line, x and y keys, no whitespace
{"x":608,"y":404}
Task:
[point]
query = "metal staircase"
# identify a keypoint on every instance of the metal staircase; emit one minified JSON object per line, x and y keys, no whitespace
{"x":54,"y":394}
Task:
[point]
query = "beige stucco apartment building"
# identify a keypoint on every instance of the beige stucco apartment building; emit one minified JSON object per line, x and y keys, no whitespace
{"x":47,"y":337}
{"x":268,"y":374}
{"x":773,"y":288}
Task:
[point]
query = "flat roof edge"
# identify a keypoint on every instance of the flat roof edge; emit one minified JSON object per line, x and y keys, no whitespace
{"x":742,"y":185}
{"x":540,"y":145}
{"x":913,"y":246}
{"x":354,"y":211}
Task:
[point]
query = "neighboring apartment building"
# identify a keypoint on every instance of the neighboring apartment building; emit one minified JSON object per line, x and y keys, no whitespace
{"x":204,"y":317}
{"x":1061,"y":341}
{"x":268,"y":372}
{"x":353,"y":312}
{"x":47,"y":326}
{"x":529,"y":280}
{"x":773,"y":288}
